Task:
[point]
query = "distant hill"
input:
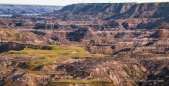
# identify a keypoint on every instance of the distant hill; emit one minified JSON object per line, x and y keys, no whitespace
{"x":109,"y":11}
{"x":27,"y":9}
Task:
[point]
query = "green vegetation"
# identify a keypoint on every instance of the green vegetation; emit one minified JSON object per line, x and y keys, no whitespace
{"x":44,"y":57}
{"x":130,"y":72}
{"x":144,"y":54}
{"x":12,"y":35}
{"x":9,"y":31}
{"x":93,"y":82}
{"x":126,"y":56}
{"x":100,"y":55}
{"x":48,"y":54}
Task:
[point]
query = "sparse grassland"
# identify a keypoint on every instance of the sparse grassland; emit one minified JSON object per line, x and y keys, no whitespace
{"x":92,"y":82}
{"x":55,"y":53}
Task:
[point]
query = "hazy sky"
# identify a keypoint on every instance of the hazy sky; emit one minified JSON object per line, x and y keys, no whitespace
{"x":66,"y":2}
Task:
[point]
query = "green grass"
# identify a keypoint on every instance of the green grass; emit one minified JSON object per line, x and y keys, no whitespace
{"x":145,"y":53}
{"x":45,"y":57}
{"x":9,"y":32}
{"x":129,"y":71}
{"x":126,"y":56}
{"x":100,"y":55}
{"x":92,"y":82}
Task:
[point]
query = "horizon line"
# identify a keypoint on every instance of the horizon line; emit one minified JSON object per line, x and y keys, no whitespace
{"x":75,"y":3}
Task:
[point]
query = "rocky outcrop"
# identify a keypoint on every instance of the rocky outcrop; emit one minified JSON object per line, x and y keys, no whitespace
{"x":4,"y":47}
{"x":123,"y":48}
{"x":7,"y":46}
{"x":121,"y":72}
{"x":100,"y":49}
{"x":81,"y":33}
{"x":117,"y":10}
{"x":22,"y":36}
{"x":162,"y":33}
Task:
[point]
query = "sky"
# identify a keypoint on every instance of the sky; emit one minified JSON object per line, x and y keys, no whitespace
{"x":67,"y":2}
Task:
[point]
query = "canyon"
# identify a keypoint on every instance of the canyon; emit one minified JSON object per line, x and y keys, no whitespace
{"x":88,"y":44}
